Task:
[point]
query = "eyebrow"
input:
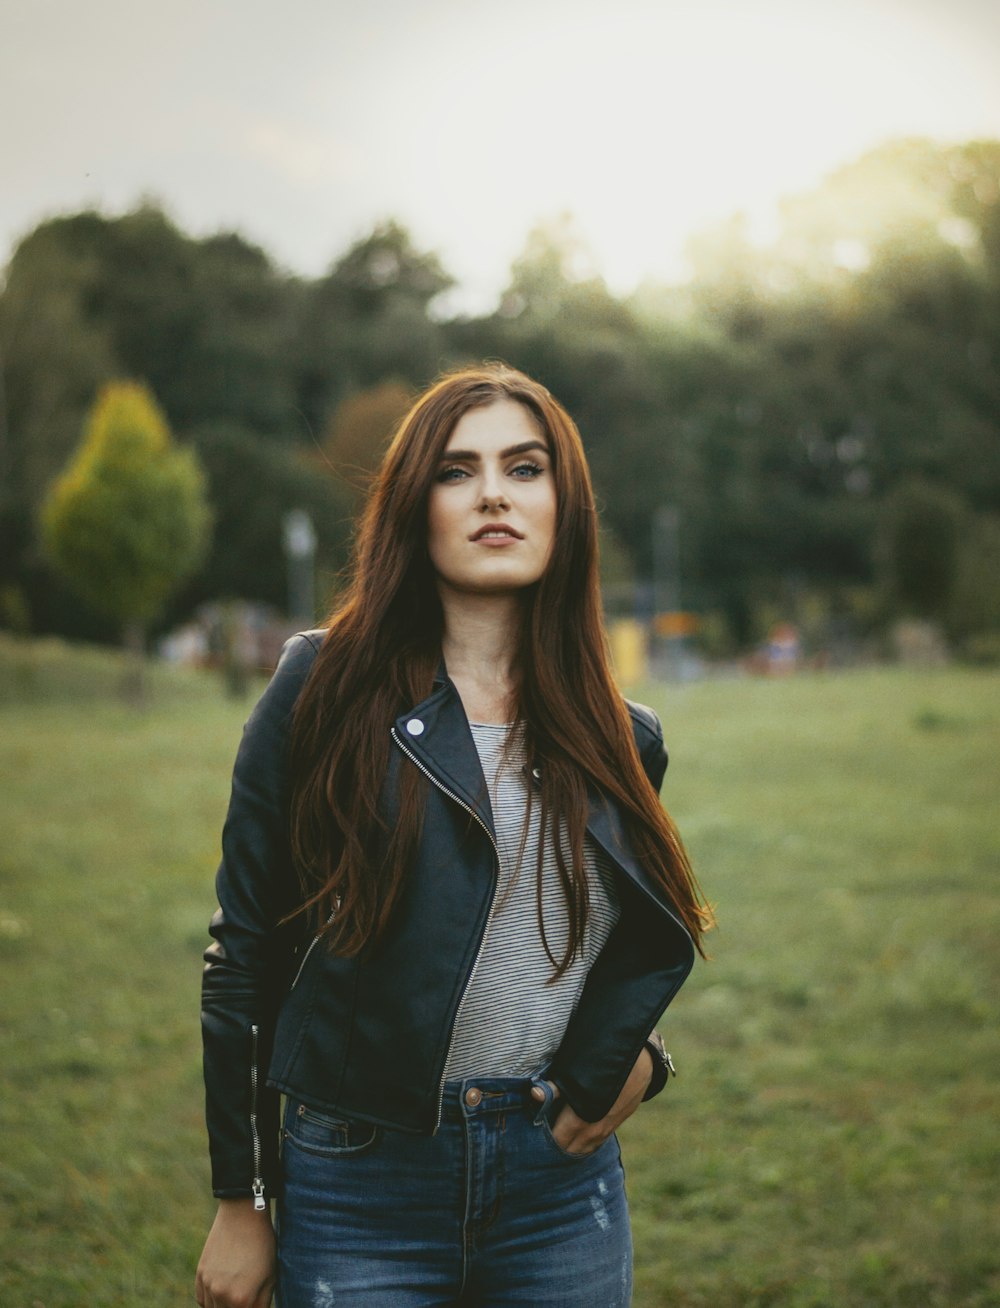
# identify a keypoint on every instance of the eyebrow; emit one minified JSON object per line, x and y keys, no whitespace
{"x":470,"y":456}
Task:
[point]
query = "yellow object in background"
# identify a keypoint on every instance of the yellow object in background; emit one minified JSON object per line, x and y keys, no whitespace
{"x":629,"y":650}
{"x":676,"y":625}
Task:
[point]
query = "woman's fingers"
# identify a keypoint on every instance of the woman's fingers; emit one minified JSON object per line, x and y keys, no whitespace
{"x":575,"y":1135}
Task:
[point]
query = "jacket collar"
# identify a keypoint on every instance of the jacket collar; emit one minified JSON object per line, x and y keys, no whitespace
{"x":437,"y":736}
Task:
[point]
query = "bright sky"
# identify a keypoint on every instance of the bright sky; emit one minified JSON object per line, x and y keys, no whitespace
{"x":305,"y":122}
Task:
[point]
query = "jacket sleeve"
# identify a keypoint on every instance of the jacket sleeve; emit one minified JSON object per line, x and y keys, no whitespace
{"x":246,"y":967}
{"x":635,"y":953}
{"x":655,"y":758}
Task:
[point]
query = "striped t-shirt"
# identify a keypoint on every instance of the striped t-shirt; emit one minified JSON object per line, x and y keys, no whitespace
{"x":511,"y":1021}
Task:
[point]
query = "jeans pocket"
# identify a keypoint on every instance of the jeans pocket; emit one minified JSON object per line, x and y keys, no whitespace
{"x":546,"y":1121}
{"x":325,"y":1133}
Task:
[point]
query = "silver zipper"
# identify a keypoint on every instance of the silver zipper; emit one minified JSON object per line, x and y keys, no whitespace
{"x":257,"y":1187}
{"x":312,"y":945}
{"x":489,"y":917}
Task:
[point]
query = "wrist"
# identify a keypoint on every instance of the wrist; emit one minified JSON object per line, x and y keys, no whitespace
{"x":240,"y":1208}
{"x":662,"y":1065}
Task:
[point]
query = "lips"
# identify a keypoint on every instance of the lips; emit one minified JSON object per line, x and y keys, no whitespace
{"x":498,"y":530}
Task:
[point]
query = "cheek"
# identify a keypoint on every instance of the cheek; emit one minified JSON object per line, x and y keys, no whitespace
{"x":549,"y":519}
{"x":440,"y":526}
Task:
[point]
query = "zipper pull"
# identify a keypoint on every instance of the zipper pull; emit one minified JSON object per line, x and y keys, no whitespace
{"x":259,"y":1202}
{"x":671,"y":1070}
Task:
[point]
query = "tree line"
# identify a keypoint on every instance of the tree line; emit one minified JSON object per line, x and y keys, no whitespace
{"x":820,"y":410}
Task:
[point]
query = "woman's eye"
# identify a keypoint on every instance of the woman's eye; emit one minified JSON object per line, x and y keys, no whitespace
{"x":527,"y":470}
{"x":452,"y":474}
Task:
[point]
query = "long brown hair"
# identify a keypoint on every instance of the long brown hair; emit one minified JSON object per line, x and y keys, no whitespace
{"x":379,"y":658}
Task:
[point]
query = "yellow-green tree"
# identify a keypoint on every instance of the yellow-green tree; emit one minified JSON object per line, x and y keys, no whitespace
{"x":127,"y":520}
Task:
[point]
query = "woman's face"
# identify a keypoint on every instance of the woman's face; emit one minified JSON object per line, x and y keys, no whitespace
{"x":492,"y":510}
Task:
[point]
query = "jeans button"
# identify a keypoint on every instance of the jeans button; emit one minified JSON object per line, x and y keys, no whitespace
{"x":473,"y":1096}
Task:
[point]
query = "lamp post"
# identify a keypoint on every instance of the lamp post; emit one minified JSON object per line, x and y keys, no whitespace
{"x":666,"y":559}
{"x":667,"y":587}
{"x":300,"y":552}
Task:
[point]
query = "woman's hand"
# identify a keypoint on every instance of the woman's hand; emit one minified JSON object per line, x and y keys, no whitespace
{"x":237,"y":1266}
{"x":576,"y":1136}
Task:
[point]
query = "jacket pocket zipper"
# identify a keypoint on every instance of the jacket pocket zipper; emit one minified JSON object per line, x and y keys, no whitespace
{"x":257,"y":1187}
{"x":312,"y":945}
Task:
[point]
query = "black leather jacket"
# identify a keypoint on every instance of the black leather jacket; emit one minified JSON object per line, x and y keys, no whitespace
{"x":369,"y":1036}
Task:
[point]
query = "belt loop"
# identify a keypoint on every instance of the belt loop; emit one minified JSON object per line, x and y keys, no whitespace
{"x":546,"y":1103}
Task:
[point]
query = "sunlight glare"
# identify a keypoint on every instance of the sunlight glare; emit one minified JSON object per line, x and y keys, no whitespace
{"x":648,"y":129}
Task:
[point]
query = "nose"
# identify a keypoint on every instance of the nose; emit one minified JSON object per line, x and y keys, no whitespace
{"x":492,"y":486}
{"x":494,"y":493}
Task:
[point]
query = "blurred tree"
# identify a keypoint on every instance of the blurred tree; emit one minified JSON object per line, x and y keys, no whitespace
{"x":556,"y":274}
{"x":209,"y":324}
{"x":128,"y":520}
{"x":872,"y":358}
{"x":53,"y":360}
{"x":729,"y":279}
{"x":777,"y":398}
{"x":921,"y":538}
{"x":383,"y":266}
{"x":244,"y":360}
{"x":974,"y":613}
{"x":252,"y":485}
{"x":361,"y":428}
{"x":370,"y":318}
{"x":558,"y":321}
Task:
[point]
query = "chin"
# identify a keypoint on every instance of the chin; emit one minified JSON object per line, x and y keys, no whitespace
{"x":497,"y":584}
{"x":512,"y":580}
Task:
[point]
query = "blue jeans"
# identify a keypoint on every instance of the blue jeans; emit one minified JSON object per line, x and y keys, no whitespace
{"x":489,"y":1212}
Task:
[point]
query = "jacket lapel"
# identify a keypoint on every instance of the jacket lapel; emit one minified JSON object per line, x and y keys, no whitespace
{"x":605,"y":827}
{"x":436,"y":733}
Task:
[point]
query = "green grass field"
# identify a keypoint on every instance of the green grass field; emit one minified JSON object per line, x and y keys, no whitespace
{"x":832,"y":1138}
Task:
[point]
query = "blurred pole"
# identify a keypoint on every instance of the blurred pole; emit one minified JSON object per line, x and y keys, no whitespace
{"x":666,"y":586}
{"x":300,"y":552}
{"x":666,"y":559}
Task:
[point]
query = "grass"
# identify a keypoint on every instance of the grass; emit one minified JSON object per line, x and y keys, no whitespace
{"x":832,"y":1138}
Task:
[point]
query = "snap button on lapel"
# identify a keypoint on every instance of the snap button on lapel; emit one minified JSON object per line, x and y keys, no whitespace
{"x":536,"y":773}
{"x":415,"y":727}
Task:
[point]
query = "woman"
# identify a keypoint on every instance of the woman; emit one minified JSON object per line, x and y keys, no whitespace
{"x":451,"y":906}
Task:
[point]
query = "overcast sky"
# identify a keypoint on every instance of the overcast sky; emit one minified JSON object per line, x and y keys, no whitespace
{"x":303,"y":123}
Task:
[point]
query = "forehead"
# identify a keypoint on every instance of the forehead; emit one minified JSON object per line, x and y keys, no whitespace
{"x":494,"y":427}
